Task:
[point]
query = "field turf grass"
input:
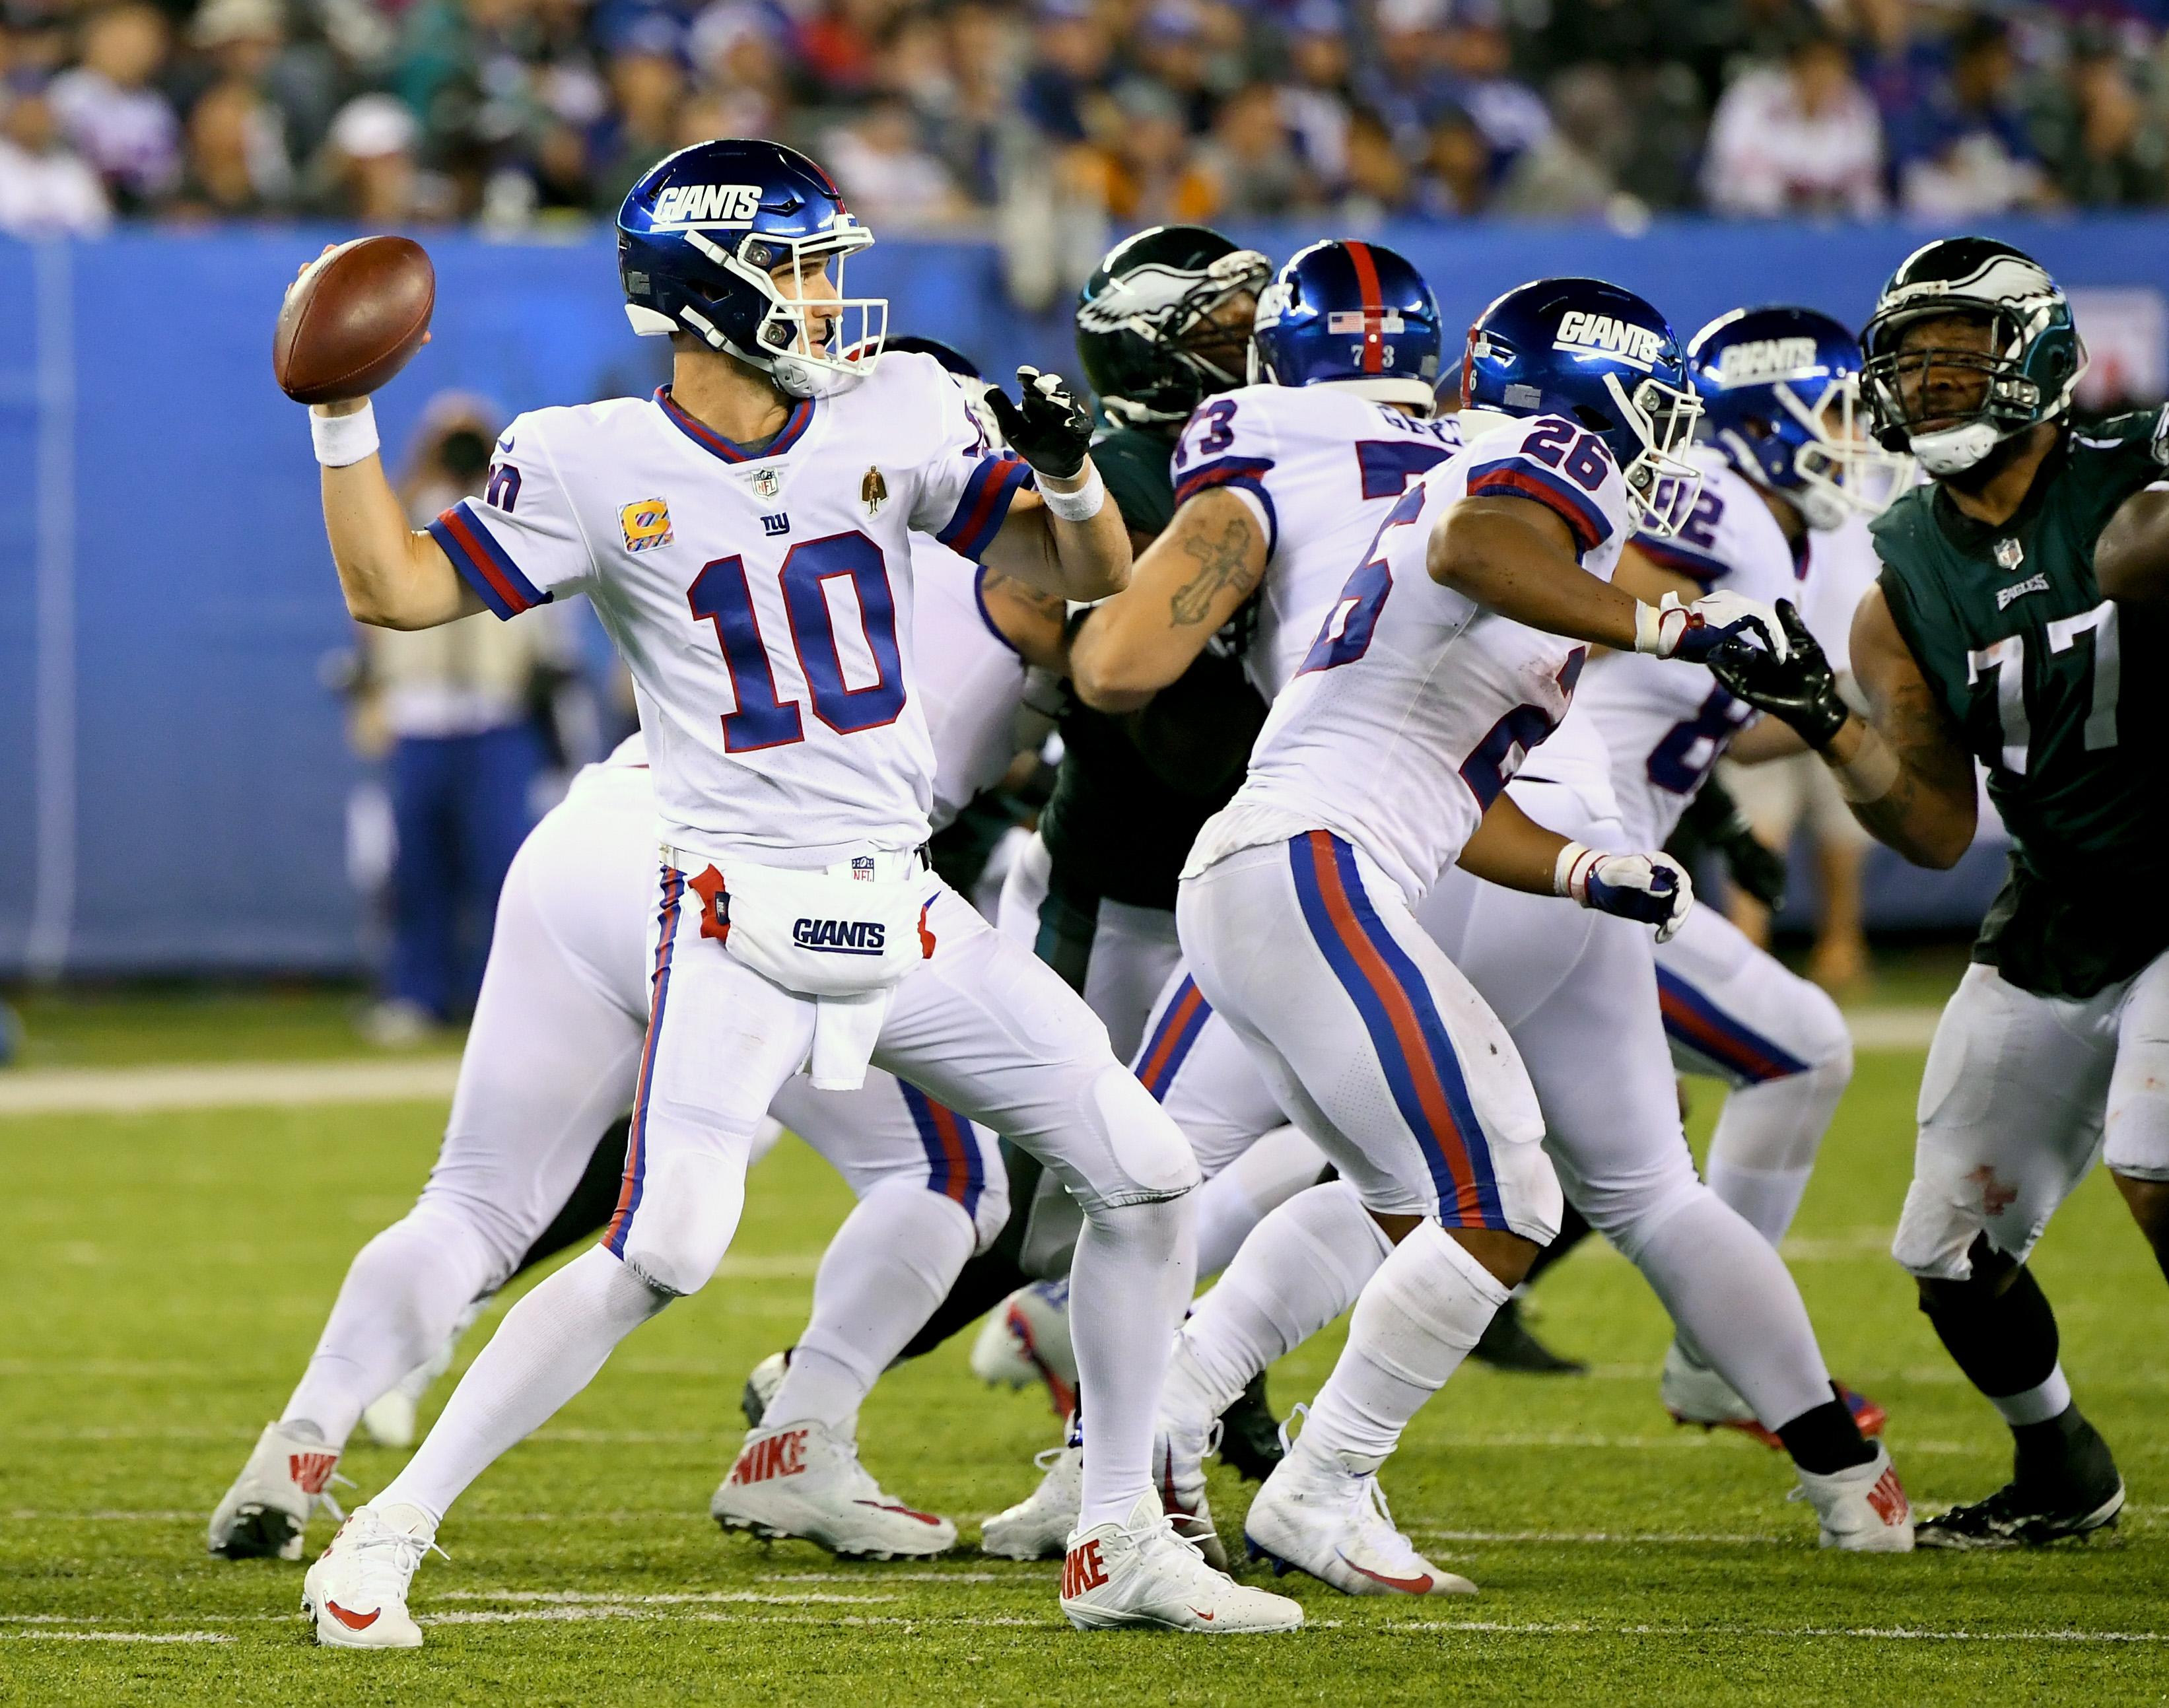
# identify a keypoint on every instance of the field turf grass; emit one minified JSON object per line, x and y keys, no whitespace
{"x":167,"y":1275}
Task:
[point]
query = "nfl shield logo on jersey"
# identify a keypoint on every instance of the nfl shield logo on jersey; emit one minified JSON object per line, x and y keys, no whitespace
{"x":645,"y":524}
{"x":863,"y":867}
{"x":2009,"y":554}
{"x":766,"y":483}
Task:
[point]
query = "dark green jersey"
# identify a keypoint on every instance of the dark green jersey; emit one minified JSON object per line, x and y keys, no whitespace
{"x":2061,"y":694}
{"x":1134,"y":790}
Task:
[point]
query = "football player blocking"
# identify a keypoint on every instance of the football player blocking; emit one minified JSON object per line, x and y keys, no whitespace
{"x":792,"y":778}
{"x":2013,"y":584}
{"x":1264,"y":474}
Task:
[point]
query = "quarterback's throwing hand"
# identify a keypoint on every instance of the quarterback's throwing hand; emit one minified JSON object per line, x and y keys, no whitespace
{"x":1654,"y":888}
{"x":1797,"y":687}
{"x":1049,"y":428}
{"x":1716,"y":625}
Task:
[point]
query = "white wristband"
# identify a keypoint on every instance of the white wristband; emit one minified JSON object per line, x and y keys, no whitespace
{"x":1648,"y":629}
{"x":1570,"y":871}
{"x":342,"y":440}
{"x":1081,"y":505}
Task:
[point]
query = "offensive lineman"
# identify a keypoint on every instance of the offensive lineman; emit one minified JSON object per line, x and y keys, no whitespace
{"x":2013,"y":586}
{"x":796,"y":921}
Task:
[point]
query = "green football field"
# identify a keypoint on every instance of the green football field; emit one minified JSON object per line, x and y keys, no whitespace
{"x":169,"y":1268}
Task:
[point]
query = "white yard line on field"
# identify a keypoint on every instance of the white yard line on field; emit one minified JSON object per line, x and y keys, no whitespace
{"x":1865,"y":1633}
{"x":45,"y":1634}
{"x":602,"y":1598}
{"x":48,"y":1091}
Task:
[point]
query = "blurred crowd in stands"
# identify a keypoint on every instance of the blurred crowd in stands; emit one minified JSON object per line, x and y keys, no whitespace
{"x":1019,"y":116}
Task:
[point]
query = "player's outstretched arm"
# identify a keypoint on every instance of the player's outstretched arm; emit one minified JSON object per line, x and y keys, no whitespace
{"x":1067,"y":539}
{"x":2131,"y":558}
{"x":1904,"y":769}
{"x":1515,"y":556}
{"x":1193,"y":578}
{"x":393,"y":576}
{"x":1510,"y":848}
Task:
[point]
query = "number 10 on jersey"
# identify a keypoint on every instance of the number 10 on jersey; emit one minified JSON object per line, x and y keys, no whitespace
{"x":721,"y":595}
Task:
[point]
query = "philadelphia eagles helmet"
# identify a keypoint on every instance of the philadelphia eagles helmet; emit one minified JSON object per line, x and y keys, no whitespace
{"x":2032,"y":361}
{"x":1144,"y":330}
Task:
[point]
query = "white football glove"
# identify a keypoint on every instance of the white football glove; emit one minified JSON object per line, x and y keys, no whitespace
{"x":1654,"y":888}
{"x":1719,"y":622}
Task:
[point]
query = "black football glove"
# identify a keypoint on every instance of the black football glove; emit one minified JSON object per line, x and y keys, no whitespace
{"x":1049,"y":429}
{"x":1799,"y":690}
{"x":1714,"y":822}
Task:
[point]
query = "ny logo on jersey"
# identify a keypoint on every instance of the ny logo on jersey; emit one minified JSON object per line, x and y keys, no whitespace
{"x":775,"y":523}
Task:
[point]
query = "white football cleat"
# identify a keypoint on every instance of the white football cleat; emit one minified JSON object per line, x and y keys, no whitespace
{"x":264,"y":1514}
{"x":1694,"y":1393}
{"x":761,"y":1383}
{"x":1179,"y":1454}
{"x":1863,"y":1509}
{"x":1025,"y":1339}
{"x":356,"y":1594}
{"x":389,"y":1418}
{"x":1038,"y":1526}
{"x":1320,"y":1514}
{"x":1141,"y":1572}
{"x":805,"y":1480}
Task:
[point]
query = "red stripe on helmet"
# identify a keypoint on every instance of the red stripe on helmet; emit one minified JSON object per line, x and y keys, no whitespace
{"x":1374,"y":306}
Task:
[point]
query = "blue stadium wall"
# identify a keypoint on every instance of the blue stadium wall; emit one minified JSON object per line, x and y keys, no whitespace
{"x":173,"y":775}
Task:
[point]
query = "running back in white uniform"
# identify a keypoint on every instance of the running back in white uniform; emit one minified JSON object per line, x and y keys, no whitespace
{"x":1409,"y":681}
{"x":759,"y":600}
{"x":1321,"y":467}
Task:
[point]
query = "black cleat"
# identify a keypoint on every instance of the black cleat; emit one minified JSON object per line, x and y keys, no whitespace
{"x":261,"y":1533}
{"x":1250,"y":1439}
{"x":2016,"y":1517}
{"x":1507,"y":1344}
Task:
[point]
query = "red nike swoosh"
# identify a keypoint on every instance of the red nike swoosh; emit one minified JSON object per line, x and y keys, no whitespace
{"x":1409,"y":1586}
{"x":1207,"y":1617}
{"x":353,"y":1622}
{"x":890,"y":1507}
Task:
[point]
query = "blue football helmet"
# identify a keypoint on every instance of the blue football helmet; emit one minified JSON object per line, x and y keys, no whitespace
{"x":1349,"y":314}
{"x":1781,"y":397}
{"x":719,"y":241}
{"x":1603,"y":356}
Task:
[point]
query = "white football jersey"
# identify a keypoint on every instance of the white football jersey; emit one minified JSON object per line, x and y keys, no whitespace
{"x":1321,"y":467}
{"x":763,"y":598}
{"x":970,"y":678}
{"x":1666,"y":722}
{"x":1414,"y":706}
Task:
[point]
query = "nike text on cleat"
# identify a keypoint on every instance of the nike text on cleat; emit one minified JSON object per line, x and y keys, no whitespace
{"x":804,"y":1480}
{"x":1025,"y":1339}
{"x":1038,"y":1526}
{"x":1321,"y":1515}
{"x":355,"y":1595}
{"x":264,"y":1514}
{"x":2016,"y":1517}
{"x":1862,"y":1509}
{"x":1139,"y":1573}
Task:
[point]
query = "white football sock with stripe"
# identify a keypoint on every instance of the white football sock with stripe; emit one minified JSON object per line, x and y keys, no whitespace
{"x":1133,"y":1272}
{"x":889,"y":1265}
{"x":403,"y":1296}
{"x":1416,"y":1321}
{"x":1299,"y":1270}
{"x":548,"y":1348}
{"x":1764,"y":1148}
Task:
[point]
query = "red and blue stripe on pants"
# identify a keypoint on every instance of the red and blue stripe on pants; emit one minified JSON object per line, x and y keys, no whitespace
{"x":1411,"y":1040}
{"x":1180,"y":1022}
{"x":1691,"y":1019}
{"x":955,"y":1167}
{"x":636,"y":1147}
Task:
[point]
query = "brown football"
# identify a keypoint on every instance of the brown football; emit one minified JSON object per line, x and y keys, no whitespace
{"x":353,"y":319}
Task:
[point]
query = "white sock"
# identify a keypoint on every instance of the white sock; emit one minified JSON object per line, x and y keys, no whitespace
{"x":1735,"y":1304}
{"x":2048,"y":1398}
{"x":1132,"y":1277}
{"x":1418,"y":1318}
{"x":892,"y":1261}
{"x":1273,"y":1170}
{"x":1299,"y":1270}
{"x":1764,"y":1148}
{"x":548,"y":1348}
{"x":401,"y":1299}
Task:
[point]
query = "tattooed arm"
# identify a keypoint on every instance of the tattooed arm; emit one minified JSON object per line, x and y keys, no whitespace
{"x":1195,"y":576}
{"x":1030,"y":619}
{"x":1904,"y":771}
